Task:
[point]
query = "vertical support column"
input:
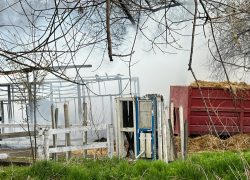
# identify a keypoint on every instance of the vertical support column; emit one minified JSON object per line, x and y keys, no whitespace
{"x":172,"y":114}
{"x":40,"y":146}
{"x":84,"y":134}
{"x":119,"y":132}
{"x":173,"y":154}
{"x":134,"y":87}
{"x":83,"y":94}
{"x":53,"y":120}
{"x":9,"y":106}
{"x":120,"y":86}
{"x":138,"y":87}
{"x":135,"y":126}
{"x":67,"y":124}
{"x":112,"y":112}
{"x":2,"y":114}
{"x":181,"y":130}
{"x":46,"y":145}
{"x":13,"y":112}
{"x":159,"y":128}
{"x":59,"y":92}
{"x":112,"y":140}
{"x":116,"y":126}
{"x":108,"y":140}
{"x":79,"y":100}
{"x":51,"y":93}
{"x":166,"y":146}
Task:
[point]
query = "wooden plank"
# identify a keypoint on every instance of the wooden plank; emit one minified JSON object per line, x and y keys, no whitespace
{"x":116,"y":126}
{"x":172,"y":140}
{"x":172,"y":114}
{"x":46,"y":145}
{"x":19,"y":143}
{"x":186,"y":139}
{"x":181,"y":130}
{"x":112,"y":140}
{"x":67,"y":124}
{"x":40,"y":146}
{"x":84,"y":134}
{"x":108,"y":140}
{"x":75,"y":148}
{"x":120,"y":134}
{"x":61,"y":126}
{"x":4,"y":156}
{"x":77,"y":129}
{"x":148,"y":145}
{"x":165,"y":144}
{"x":53,"y":120}
{"x":142,"y":143}
{"x":127,"y":129}
{"x":134,"y":119}
{"x":16,"y":134}
{"x":159,"y":120}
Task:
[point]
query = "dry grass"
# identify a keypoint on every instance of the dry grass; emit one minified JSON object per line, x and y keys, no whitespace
{"x":223,"y":84}
{"x":210,"y":142}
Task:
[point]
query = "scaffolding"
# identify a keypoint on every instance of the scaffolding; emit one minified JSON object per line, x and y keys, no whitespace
{"x":61,"y":91}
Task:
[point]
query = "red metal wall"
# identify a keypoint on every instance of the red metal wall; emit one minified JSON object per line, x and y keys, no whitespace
{"x":220,"y":105}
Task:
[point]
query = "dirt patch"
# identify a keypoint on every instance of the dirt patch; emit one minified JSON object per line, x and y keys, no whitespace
{"x":211,"y":143}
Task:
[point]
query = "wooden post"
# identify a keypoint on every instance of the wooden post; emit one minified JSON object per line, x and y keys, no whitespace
{"x":67,"y":124}
{"x":40,"y":146}
{"x":108,"y":140}
{"x":159,"y":128}
{"x":54,"y":155}
{"x":166,"y":146}
{"x":181,"y":130}
{"x":172,"y":114}
{"x":112,"y":140}
{"x":84,"y":124}
{"x":186,"y":139}
{"x":173,"y":149}
{"x":46,"y":145}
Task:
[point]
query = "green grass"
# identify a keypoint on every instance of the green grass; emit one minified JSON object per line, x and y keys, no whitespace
{"x":206,"y":165}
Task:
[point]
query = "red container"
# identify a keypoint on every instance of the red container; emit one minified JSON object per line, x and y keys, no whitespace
{"x":227,"y":117}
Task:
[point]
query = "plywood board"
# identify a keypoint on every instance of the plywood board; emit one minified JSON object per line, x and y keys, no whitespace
{"x":145,"y":114}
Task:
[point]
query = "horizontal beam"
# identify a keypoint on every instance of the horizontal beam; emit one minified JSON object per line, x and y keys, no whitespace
{"x":75,"y":129}
{"x":16,"y":134}
{"x":75,"y":148}
{"x":60,"y":126}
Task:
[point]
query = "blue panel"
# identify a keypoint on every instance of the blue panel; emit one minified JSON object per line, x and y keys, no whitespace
{"x":154,"y":126}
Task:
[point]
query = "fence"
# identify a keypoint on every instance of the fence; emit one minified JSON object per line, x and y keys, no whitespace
{"x":44,"y":131}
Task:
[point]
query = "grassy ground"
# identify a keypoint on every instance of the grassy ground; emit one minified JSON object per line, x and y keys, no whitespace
{"x":207,"y":165}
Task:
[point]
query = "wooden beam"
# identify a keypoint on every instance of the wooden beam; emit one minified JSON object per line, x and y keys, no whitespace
{"x":75,"y":148}
{"x":16,"y":134}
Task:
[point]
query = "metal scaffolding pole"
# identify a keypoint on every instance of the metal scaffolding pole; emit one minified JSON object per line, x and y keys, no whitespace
{"x":138,"y":87}
{"x":2,"y":114}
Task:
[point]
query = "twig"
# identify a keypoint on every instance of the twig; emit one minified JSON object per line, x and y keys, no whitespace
{"x":190,"y":69}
